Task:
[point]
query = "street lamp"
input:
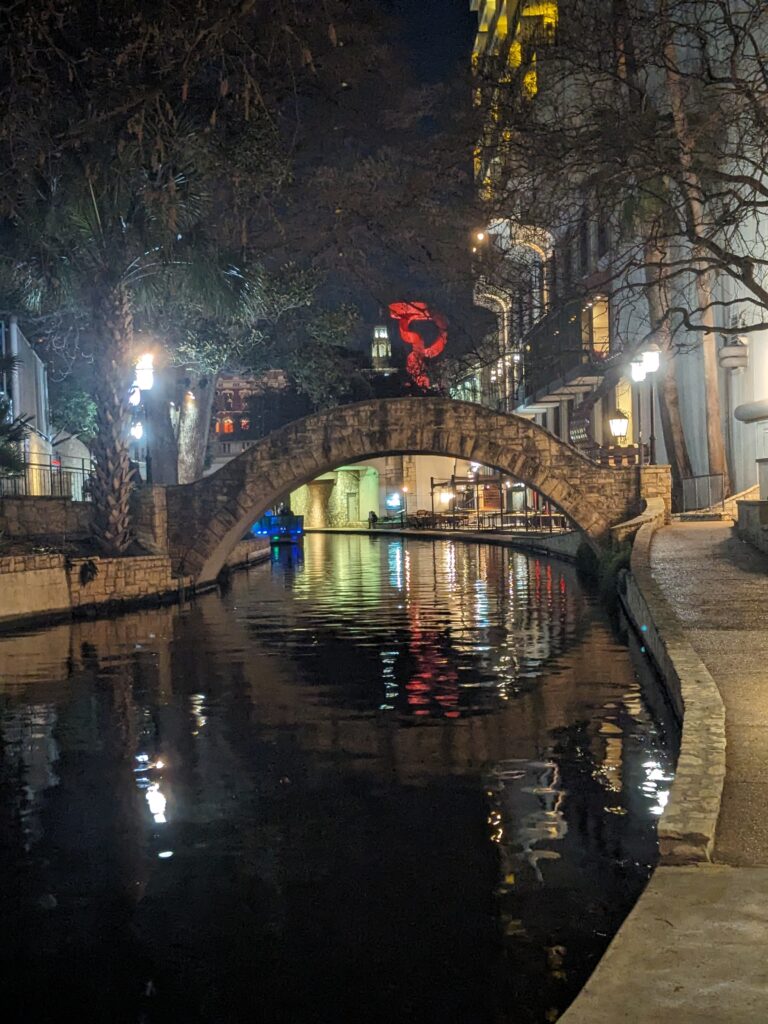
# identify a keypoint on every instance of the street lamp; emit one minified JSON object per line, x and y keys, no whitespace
{"x":404,"y":514}
{"x":618,"y":421}
{"x":643,"y":367}
{"x":651,"y":362}
{"x":144,"y":381}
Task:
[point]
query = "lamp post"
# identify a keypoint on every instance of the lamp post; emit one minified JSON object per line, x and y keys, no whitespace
{"x":144,"y":381}
{"x":651,"y":362}
{"x":642,"y":368}
{"x":404,"y":513}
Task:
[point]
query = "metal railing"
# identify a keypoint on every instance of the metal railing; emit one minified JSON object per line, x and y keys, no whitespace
{"x":50,"y":476}
{"x":700,"y":492}
{"x":530,"y":520}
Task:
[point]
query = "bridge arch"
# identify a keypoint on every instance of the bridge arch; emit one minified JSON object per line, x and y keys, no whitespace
{"x":207,"y":518}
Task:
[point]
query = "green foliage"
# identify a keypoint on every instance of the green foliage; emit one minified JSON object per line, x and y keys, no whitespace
{"x":12,"y":432}
{"x":601,"y":569}
{"x":72,"y":409}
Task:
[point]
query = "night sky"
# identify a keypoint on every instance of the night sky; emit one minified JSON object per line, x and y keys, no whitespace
{"x":439,"y":34}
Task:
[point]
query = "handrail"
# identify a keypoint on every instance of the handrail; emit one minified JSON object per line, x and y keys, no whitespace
{"x":696,"y":497}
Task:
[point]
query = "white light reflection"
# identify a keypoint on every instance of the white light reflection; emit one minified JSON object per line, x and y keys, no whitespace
{"x":197,"y":701}
{"x":157,"y":803}
{"x":656,"y":786}
{"x":391,"y":691}
{"x":395,"y":563}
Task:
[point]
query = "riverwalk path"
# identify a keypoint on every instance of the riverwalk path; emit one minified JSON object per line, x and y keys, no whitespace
{"x":695,"y":949}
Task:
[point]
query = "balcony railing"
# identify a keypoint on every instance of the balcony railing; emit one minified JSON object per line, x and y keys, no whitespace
{"x":50,"y":477}
{"x":554,"y":348}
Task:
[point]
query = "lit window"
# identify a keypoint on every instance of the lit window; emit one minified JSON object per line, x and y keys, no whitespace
{"x":218,"y":427}
{"x":245,"y":424}
{"x":228,"y":426}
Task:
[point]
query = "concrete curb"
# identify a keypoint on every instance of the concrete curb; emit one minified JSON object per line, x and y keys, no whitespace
{"x":687,"y":827}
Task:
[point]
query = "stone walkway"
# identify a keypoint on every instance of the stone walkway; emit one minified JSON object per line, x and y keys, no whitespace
{"x":695,"y":948}
{"x":718,"y":587}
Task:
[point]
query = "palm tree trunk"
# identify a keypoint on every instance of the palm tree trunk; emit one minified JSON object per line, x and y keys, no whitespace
{"x":113,"y":475}
{"x":657,"y":296}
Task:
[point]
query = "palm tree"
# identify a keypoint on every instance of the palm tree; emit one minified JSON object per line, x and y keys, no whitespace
{"x":12,"y":431}
{"x":108,"y":238}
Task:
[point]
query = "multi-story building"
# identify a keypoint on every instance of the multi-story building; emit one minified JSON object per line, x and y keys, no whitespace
{"x":563,"y":349}
{"x":54,"y":464}
{"x":247,"y":408}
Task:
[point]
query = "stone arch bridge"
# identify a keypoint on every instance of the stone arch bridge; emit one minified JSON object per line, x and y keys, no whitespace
{"x":203,"y":521}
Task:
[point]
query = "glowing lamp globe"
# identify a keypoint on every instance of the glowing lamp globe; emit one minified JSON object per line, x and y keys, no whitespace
{"x":619,"y":424}
{"x":638,"y":370}
{"x":145,"y":376}
{"x":652,"y":358}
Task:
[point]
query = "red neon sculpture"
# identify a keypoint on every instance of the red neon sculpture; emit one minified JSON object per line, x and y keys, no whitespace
{"x":407,"y":314}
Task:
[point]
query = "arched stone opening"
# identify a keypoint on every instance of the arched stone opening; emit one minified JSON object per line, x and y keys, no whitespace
{"x":207,"y":518}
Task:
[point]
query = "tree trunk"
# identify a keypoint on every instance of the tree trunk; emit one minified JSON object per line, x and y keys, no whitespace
{"x":194,"y":426}
{"x":691,"y":186}
{"x":113,"y":475}
{"x":718,"y":463}
{"x":164,"y":447}
{"x":657,"y":295}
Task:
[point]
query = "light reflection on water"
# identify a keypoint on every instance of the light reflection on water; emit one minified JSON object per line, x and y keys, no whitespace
{"x":376,"y":780}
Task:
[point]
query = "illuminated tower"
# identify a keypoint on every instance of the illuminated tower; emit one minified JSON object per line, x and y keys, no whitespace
{"x":381,"y":350}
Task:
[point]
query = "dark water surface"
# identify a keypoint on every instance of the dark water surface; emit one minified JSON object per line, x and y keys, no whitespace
{"x":385,"y":781}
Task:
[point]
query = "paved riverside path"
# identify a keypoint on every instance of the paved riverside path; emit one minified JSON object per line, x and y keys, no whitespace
{"x":718,"y":587}
{"x":695,"y":949}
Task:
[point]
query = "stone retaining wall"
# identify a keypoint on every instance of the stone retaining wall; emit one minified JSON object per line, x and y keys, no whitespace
{"x":38,"y":518}
{"x":687,"y":827}
{"x":248,"y":552}
{"x":40,"y":586}
{"x":752,"y":523}
{"x":121,"y":580}
{"x":655,"y":514}
{"x":33,"y":586}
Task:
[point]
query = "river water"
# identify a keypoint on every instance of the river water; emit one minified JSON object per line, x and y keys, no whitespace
{"x":379,"y":780}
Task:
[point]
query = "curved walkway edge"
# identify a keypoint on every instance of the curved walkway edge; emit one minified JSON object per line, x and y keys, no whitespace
{"x":693,"y":950}
{"x":687,"y":827}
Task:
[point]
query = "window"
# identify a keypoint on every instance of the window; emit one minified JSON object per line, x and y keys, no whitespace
{"x":217,"y":428}
{"x":226,"y":447}
{"x":245,"y":424}
{"x":228,"y":426}
{"x":595,"y":326}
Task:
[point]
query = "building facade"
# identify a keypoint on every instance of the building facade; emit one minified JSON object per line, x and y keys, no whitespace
{"x":570,"y":329}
